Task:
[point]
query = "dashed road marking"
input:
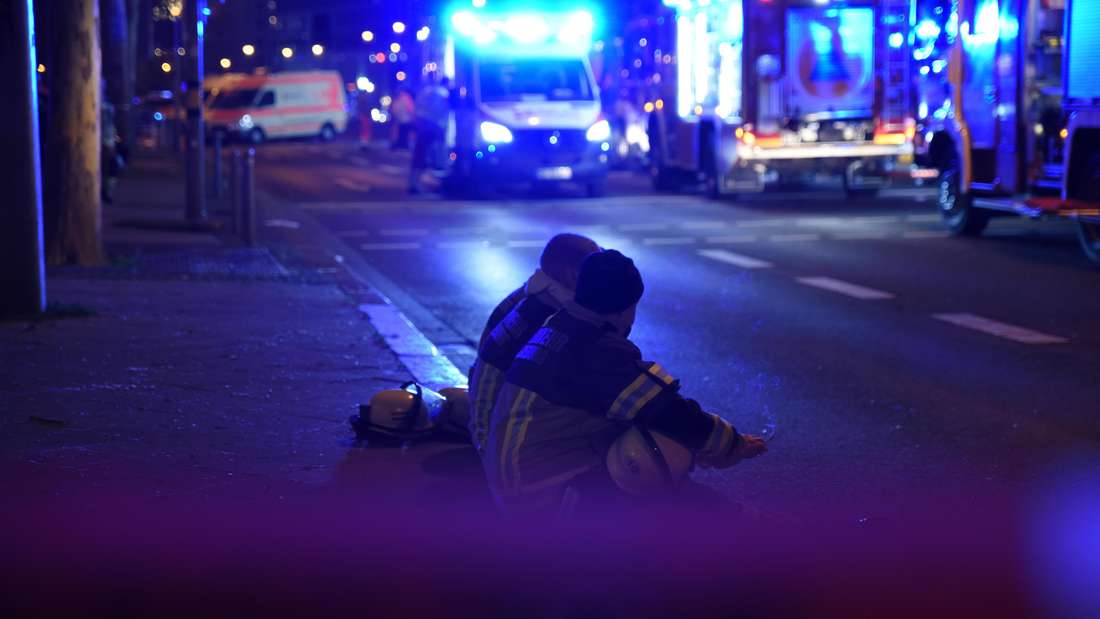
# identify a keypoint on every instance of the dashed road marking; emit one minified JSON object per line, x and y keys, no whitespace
{"x":734,"y":238}
{"x":703,"y":225}
{"x":669,"y":240}
{"x":387,"y":246}
{"x":289,"y":224}
{"x":846,"y":288}
{"x":876,"y":219}
{"x":860,"y":236}
{"x":761,"y":223}
{"x":643,"y":227}
{"x":404,"y":232}
{"x":1000,"y":329}
{"x":737,"y":260}
{"x":526,"y":243}
{"x":793,"y":238}
{"x":925,"y":234}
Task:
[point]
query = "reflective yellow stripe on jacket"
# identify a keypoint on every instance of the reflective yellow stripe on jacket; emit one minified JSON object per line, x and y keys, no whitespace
{"x":638,"y":393}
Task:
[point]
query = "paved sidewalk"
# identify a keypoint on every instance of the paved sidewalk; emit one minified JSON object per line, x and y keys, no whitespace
{"x":202,"y":366}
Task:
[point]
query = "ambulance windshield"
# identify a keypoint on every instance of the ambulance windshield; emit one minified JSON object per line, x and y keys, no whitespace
{"x":535,"y":79}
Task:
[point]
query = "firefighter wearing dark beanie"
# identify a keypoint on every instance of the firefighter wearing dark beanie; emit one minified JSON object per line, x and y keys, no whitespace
{"x":609,"y":283}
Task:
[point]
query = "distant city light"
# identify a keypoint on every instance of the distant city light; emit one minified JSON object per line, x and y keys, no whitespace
{"x":367,"y":36}
{"x":400,"y":76}
{"x":167,"y":68}
{"x":287,"y":52}
{"x":478,"y":4}
{"x":398,"y":27}
{"x":175,"y":10}
{"x":225,"y":63}
{"x":393,"y":57}
{"x":318,"y":49}
{"x":157,"y":52}
{"x":395,"y":47}
{"x":41,"y":68}
{"x":380,"y":57}
{"x":386,"y":100}
{"x":423,"y":34}
{"x":896,"y":40}
{"x":247,"y":49}
{"x":648,"y":107}
{"x":363,"y":83}
{"x":180,"y":51}
{"x":642,"y":42}
{"x":272,"y":20}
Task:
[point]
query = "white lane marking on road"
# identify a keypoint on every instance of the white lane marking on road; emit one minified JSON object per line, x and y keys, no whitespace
{"x":464,"y":231}
{"x":859,"y":236}
{"x":737,"y":260}
{"x":736,"y":238}
{"x":925,"y":234}
{"x":820,"y":222}
{"x":846,"y":288}
{"x":1000,"y":329}
{"x":383,"y":246}
{"x":923,"y":218}
{"x":703,"y":225}
{"x":461,"y":244}
{"x":760,"y":223}
{"x":669,"y":240}
{"x":642,"y":227}
{"x":876,"y":219}
{"x":404,"y":232}
{"x":289,"y":224}
{"x":793,"y":238}
{"x":526,"y":243}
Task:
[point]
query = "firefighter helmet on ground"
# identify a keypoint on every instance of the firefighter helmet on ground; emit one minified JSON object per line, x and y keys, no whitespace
{"x":412,"y":412}
{"x":642,"y":462}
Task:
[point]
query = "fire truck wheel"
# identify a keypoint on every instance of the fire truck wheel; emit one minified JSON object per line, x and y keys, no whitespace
{"x":959,"y":215}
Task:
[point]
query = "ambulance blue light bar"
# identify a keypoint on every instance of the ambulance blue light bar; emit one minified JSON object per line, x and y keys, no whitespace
{"x":525,"y":31}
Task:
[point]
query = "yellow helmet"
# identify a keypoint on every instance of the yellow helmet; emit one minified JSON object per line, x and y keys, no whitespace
{"x":643,"y":462}
{"x":412,"y":412}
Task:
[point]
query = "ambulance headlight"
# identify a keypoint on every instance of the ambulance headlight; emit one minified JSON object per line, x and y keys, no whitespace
{"x":495,"y":133}
{"x":599,"y":132}
{"x":245,"y":122}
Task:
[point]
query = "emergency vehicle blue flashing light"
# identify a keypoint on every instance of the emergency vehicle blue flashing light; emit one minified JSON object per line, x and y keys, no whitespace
{"x":525,"y":32}
{"x":495,"y":133}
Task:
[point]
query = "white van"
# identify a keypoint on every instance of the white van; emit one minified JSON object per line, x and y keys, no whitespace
{"x":279,"y":105}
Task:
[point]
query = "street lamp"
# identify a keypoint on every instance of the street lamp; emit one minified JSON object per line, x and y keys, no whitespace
{"x":318,"y":49}
{"x":287,"y":52}
{"x":398,"y":27}
{"x":225,"y":63}
{"x":247,"y":49}
{"x":368,"y":36}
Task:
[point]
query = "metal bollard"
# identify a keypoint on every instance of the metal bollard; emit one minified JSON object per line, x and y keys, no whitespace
{"x":236,"y":169}
{"x":248,"y":199}
{"x":217,"y":164}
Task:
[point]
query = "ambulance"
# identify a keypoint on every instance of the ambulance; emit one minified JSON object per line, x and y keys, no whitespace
{"x":528,"y":108}
{"x":256,"y":108}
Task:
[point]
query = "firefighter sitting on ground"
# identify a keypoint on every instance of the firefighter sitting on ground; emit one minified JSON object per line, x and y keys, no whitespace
{"x":578,"y":386}
{"x":516,"y":319}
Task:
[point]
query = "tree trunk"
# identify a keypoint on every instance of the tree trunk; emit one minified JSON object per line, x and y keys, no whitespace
{"x":73,"y":140}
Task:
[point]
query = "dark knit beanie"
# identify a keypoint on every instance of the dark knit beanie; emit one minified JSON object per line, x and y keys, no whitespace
{"x":609,"y":282}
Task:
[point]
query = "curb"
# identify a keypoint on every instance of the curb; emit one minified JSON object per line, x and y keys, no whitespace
{"x":424,"y":361}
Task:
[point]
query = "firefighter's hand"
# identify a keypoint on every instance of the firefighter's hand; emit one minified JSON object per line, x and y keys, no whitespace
{"x":748,"y":447}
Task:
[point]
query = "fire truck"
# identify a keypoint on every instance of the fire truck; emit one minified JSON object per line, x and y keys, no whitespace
{"x":767,"y":91}
{"x":1018,"y":129}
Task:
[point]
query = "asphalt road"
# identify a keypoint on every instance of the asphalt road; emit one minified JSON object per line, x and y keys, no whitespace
{"x":880,"y":357}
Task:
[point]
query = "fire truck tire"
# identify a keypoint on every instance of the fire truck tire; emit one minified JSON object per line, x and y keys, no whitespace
{"x":959,"y":215}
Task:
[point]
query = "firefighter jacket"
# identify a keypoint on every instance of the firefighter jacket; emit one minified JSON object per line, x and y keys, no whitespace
{"x":570,"y":391}
{"x":511,"y":324}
